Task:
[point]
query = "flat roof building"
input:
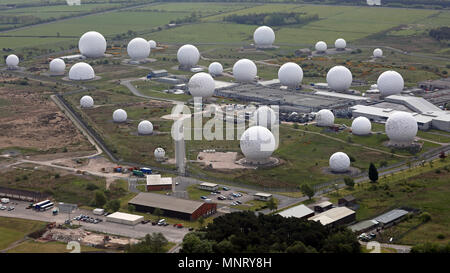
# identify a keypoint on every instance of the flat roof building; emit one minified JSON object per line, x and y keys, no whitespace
{"x":172,"y":207}
{"x":300,"y":211}
{"x":364,"y":226}
{"x":391,"y":217}
{"x":124,"y":218}
{"x":157,"y":183}
{"x":321,"y":207}
{"x":335,"y":217}
{"x":208,"y":186}
{"x":262,"y":196}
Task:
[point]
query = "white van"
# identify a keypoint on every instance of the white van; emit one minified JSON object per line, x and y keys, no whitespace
{"x":161,"y":222}
{"x":5,"y":200}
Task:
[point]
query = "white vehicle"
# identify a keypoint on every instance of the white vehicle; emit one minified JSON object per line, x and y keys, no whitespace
{"x":5,"y":200}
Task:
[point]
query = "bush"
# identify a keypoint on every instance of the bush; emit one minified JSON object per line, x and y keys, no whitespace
{"x":425,"y":217}
{"x":91,"y":187}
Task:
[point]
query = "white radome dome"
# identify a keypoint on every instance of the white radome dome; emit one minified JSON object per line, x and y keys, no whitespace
{"x":119,"y":115}
{"x":321,"y":46}
{"x":290,"y":74}
{"x":57,"y":66}
{"x":244,"y":70}
{"x":339,"y":162}
{"x":92,"y":45}
{"x":377,"y":53}
{"x":152,"y":44}
{"x":257,"y":144}
{"x":265,"y":116}
{"x":81,"y":72}
{"x":215,"y":69}
{"x":401,"y":128}
{"x":339,"y":78}
{"x":340,"y":43}
{"x":188,"y":55}
{"x":390,"y":83}
{"x":86,"y":102}
{"x":159,"y":154}
{"x":138,"y":49}
{"x":145,"y":127}
{"x":264,"y":36}
{"x":201,"y":85}
{"x":361,"y":126}
{"x":325,"y":118}
{"x":12,"y":60}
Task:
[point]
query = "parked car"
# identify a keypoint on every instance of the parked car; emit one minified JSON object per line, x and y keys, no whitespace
{"x":239,"y":202}
{"x":10,"y":208}
{"x":179,"y":225}
{"x":191,"y":229}
{"x":2,"y":207}
{"x":225,"y":188}
{"x":230,"y":198}
{"x":145,"y":222}
{"x":203,"y":197}
{"x":221,"y":197}
{"x":154,"y":223}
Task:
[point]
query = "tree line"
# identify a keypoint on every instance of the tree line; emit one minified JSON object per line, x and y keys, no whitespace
{"x":272,"y":19}
{"x":442,"y":33}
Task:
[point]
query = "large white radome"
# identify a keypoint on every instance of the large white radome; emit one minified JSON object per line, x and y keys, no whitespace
{"x":244,"y":70}
{"x":188,"y":55}
{"x":120,"y":115}
{"x":290,"y":74}
{"x":339,"y":162}
{"x":81,"y":72}
{"x":145,"y":127}
{"x":264,"y":36}
{"x":377,"y":53}
{"x":321,"y":46}
{"x":257,"y":144}
{"x":92,"y":45}
{"x":57,"y":66}
{"x":325,"y":118}
{"x":265,"y":116}
{"x":401,"y":128}
{"x":361,"y":126}
{"x":339,"y":78}
{"x":340,"y":43}
{"x":159,"y":154}
{"x":138,"y":49}
{"x":152,"y":44}
{"x":86,"y":102}
{"x":390,"y":83}
{"x":12,"y":61}
{"x":215,"y":69}
{"x":201,"y":85}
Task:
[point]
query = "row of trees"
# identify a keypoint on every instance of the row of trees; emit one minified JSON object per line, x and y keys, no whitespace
{"x":442,"y":33}
{"x":272,"y":19}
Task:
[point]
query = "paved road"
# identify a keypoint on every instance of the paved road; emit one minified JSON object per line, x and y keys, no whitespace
{"x":398,"y":248}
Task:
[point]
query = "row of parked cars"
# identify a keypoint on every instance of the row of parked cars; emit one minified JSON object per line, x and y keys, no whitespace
{"x":366,"y":237}
{"x":87,"y":219}
{"x":10,"y":208}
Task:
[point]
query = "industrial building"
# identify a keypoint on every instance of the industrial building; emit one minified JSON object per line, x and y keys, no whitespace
{"x":124,"y":218}
{"x":172,"y":207}
{"x":335,"y":217}
{"x":364,"y":226}
{"x":261,"y":196}
{"x":391,"y":218}
{"x":158,"y":73}
{"x":157,"y":183}
{"x":300,"y":211}
{"x":435,"y":84}
{"x":208,"y":186}
{"x":321,"y":207}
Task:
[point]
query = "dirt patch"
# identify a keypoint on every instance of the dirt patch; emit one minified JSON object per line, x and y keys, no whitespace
{"x":219,"y":160}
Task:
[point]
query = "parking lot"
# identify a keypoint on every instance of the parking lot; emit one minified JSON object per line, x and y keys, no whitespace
{"x":227,"y":197}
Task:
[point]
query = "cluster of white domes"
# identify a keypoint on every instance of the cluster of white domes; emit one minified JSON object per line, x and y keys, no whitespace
{"x":201,"y":85}
{"x":81,"y":72}
{"x":339,"y":162}
{"x":290,"y":74}
{"x":145,"y":127}
{"x":159,"y":154}
{"x":215,"y":69}
{"x":265,"y":116}
{"x":321,"y":46}
{"x":401,"y":128}
{"x":264,"y":36}
{"x":339,"y":78}
{"x":257,"y":144}
{"x":92,"y":44}
{"x":12,"y":61}
{"x":86,"y":102}
{"x":138,"y":49}
{"x":361,"y":126}
{"x":120,"y":115}
{"x":188,"y":56}
{"x":244,"y":70}
{"x":377,"y":53}
{"x":152,"y":44}
{"x":57,"y":66}
{"x":390,"y":83}
{"x":325,"y":118}
{"x":340,"y":43}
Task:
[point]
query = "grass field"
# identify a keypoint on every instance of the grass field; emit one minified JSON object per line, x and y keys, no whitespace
{"x":48,"y":247}
{"x":14,"y":229}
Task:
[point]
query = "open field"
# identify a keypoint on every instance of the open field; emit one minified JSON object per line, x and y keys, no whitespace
{"x":48,"y":247}
{"x":14,"y":229}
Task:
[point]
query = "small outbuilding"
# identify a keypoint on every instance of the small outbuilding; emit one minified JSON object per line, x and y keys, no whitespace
{"x":208,"y":186}
{"x":364,"y":226}
{"x":347,"y":201}
{"x":300,"y":211}
{"x":261,"y":196}
{"x":124,"y":218}
{"x":157,"y":183}
{"x":321,"y":207}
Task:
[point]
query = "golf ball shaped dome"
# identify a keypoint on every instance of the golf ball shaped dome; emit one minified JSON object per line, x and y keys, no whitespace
{"x":201,"y":85}
{"x":325,"y":118}
{"x":339,"y":78}
{"x":159,"y":153}
{"x":81,"y":71}
{"x":264,"y":36}
{"x":390,"y":83}
{"x":361,"y":126}
{"x":138,"y":49}
{"x":119,"y":115}
{"x":57,"y":66}
{"x":215,"y":69}
{"x":265,"y":116}
{"x":188,"y":55}
{"x":244,"y":70}
{"x":145,"y":127}
{"x":290,"y":74}
{"x":92,"y":45}
{"x":257,"y":144}
{"x":377,"y":53}
{"x":401,"y":128}
{"x":152,"y":44}
{"x":321,"y":46}
{"x":339,"y":162}
{"x":12,"y":60}
{"x":86,"y":102}
{"x":340,"y":43}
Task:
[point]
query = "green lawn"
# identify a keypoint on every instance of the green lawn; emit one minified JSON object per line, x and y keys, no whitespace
{"x":48,"y":247}
{"x":14,"y":229}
